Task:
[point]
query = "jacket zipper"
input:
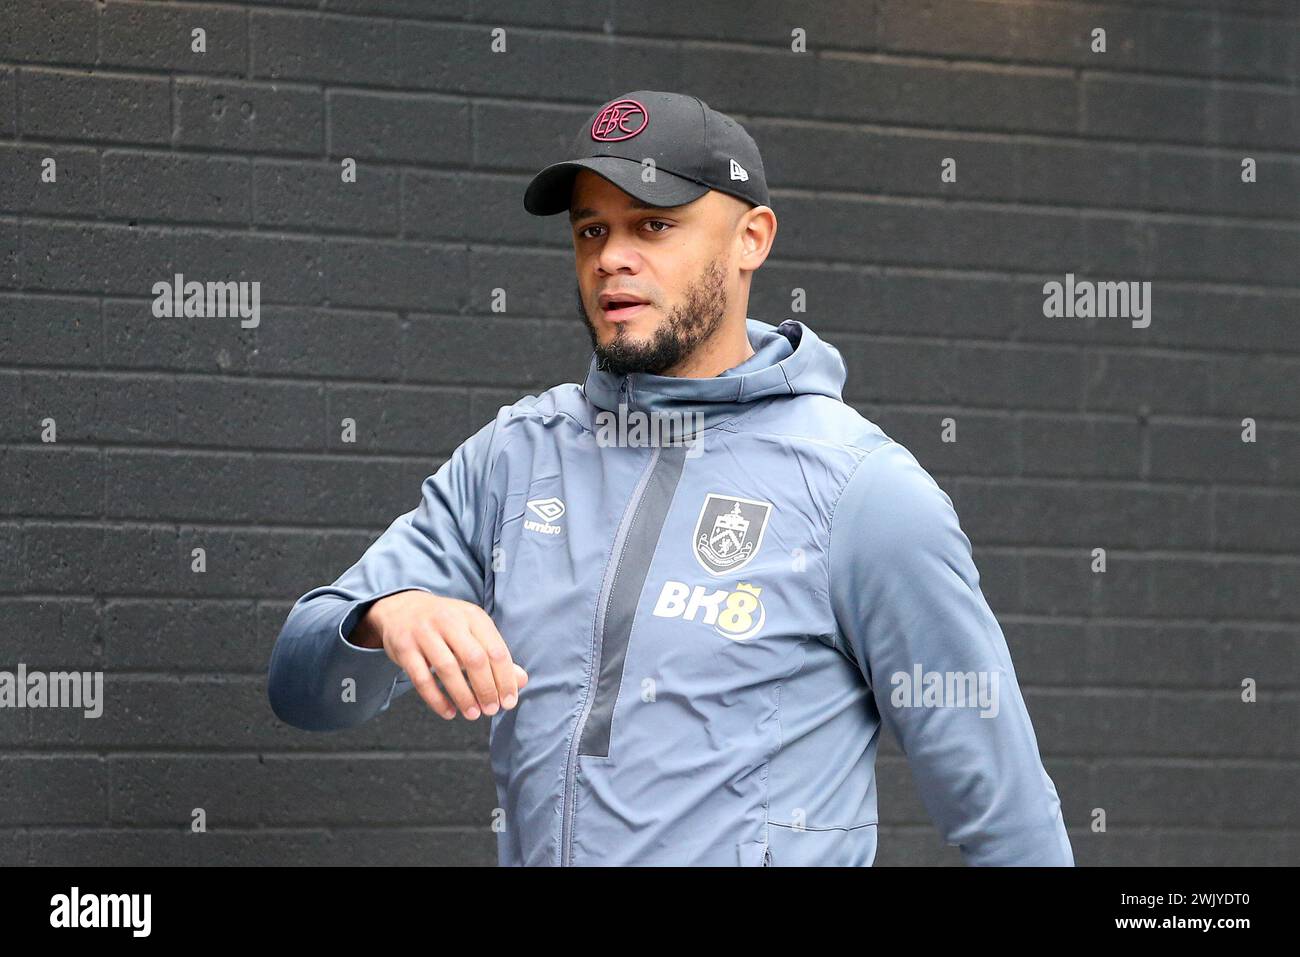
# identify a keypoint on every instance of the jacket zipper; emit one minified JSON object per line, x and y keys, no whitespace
{"x":570,"y":797}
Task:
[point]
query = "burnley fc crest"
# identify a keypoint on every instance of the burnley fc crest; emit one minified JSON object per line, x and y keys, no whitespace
{"x":729,"y":532}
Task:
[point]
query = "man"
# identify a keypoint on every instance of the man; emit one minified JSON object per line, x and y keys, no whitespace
{"x":687,"y":645}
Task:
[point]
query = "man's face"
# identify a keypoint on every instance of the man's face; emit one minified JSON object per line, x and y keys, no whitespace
{"x":672,"y":258}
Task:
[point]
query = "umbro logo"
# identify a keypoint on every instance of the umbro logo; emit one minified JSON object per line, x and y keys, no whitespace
{"x":548,"y":510}
{"x":738,"y":172}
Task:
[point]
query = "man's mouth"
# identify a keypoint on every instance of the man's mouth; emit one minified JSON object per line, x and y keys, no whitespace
{"x":620,"y":309}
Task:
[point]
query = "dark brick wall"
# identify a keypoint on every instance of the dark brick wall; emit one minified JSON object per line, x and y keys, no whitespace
{"x":1073,"y":434}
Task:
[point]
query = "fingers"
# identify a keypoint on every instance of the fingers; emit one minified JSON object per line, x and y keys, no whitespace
{"x":438,"y":644}
{"x":473,"y":660}
{"x":456,"y":659}
{"x":505,"y":686}
{"x":417,"y":669}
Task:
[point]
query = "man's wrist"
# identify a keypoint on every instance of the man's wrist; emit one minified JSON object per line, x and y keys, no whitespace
{"x":364,"y":633}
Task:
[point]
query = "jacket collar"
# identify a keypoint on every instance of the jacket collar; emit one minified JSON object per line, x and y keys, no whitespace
{"x":789,"y":359}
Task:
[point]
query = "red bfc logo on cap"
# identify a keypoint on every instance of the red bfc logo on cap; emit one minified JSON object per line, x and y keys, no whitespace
{"x":616,"y":121}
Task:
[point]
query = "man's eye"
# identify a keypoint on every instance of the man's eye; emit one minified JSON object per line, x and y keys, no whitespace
{"x":661,"y":223}
{"x":582,"y":233}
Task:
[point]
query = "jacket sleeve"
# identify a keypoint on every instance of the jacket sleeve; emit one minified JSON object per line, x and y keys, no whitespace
{"x":435,"y":547}
{"x":906,"y":596}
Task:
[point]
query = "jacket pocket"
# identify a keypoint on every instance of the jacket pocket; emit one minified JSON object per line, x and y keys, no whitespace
{"x":753,"y":854}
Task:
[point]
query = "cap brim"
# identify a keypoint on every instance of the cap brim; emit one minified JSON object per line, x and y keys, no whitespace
{"x":551,"y":190}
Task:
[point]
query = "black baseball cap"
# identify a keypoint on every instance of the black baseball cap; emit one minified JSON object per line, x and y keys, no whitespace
{"x":694,"y":149}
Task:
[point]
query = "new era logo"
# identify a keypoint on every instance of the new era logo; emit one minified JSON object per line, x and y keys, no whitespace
{"x":738,"y":172}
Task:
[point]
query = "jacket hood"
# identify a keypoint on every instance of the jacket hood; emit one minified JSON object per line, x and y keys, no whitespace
{"x":789,"y":359}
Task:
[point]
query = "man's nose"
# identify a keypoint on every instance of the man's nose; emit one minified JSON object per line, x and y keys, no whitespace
{"x":619,"y":252}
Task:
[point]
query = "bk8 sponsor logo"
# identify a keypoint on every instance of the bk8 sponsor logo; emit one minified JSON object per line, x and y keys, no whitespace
{"x":737,"y":615}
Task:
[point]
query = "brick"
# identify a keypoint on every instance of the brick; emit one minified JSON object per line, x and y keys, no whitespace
{"x":1200,"y":317}
{"x":775,"y":76}
{"x":1080,"y":447}
{"x":141,"y":634}
{"x":45,"y":330}
{"x":1216,"y":453}
{"x":970,"y":30}
{"x":426,"y":130}
{"x":1078,"y":174}
{"x":327,"y":343}
{"x":8,"y":101}
{"x":95,"y":407}
{"x":1256,"y":520}
{"x":850,"y":87}
{"x":1145,"y":723}
{"x":427,"y":9}
{"x":1064,"y":584}
{"x":397,"y":420}
{"x":529,"y":278}
{"x":459,"y":59}
{"x":1061,"y":34}
{"x":986,"y":441}
{"x":1054,"y":513}
{"x":1183,"y":794}
{"x":449,"y":205}
{"x":187,"y":189}
{"x":847,"y":24}
{"x":315,"y":197}
{"x":111,"y":109}
{"x":1216,"y":45}
{"x":49,"y":31}
{"x":252,"y":117}
{"x":14,"y":848}
{"x":1230,"y":588}
{"x":215,"y":488}
{"x":394,"y":275}
{"x":160,"y":37}
{"x":134,"y":338}
{"x":1256,"y":385}
{"x":1179,"y":111}
{"x":1142,"y":383}
{"x":893,"y":232}
{"x":250,"y":414}
{"x":59,"y":635}
{"x":478,"y":349}
{"x":1264,"y":254}
{"x":513,"y":136}
{"x":10,"y":260}
{"x":302,"y":790}
{"x":336,"y":50}
{"x":959,"y":307}
{"x":22,"y":184}
{"x":1189,"y":180}
{"x":54,"y":790}
{"x":128,"y":261}
{"x":304,"y":847}
{"x":15,"y":427}
{"x":46,"y":480}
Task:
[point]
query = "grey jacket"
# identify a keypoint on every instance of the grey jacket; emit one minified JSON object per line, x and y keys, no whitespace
{"x":717,"y":621}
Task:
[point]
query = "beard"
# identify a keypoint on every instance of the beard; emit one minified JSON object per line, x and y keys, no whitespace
{"x":679,"y":334}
